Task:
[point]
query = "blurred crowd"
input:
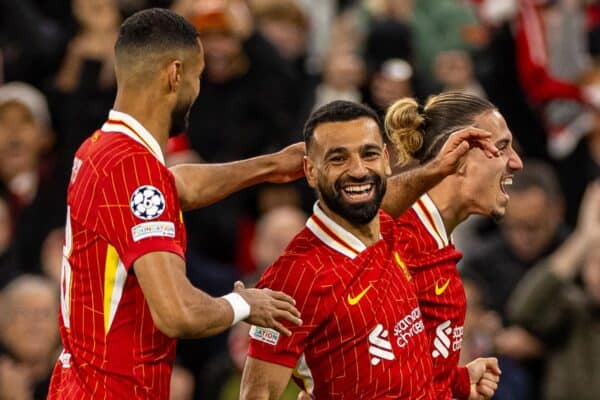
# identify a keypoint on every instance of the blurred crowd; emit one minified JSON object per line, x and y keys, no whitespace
{"x":532,"y":279}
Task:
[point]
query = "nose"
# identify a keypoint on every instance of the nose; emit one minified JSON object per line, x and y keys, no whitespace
{"x":514,"y":162}
{"x":357,"y":168}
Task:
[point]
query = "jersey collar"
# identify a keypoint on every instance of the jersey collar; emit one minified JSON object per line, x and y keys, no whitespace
{"x":432,"y":220}
{"x":126,"y":124}
{"x":333,"y":235}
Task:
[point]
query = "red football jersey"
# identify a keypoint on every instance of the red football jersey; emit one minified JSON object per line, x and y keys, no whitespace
{"x":363,"y":335}
{"x":122,"y":204}
{"x":431,"y":258}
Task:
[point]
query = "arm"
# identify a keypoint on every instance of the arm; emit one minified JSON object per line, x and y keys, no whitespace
{"x":180,"y":310}
{"x":199,"y":185}
{"x":404,"y":189}
{"x":263,"y":380}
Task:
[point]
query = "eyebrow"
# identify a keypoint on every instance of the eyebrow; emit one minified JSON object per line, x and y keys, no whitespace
{"x":362,"y":149}
{"x":335,"y":150}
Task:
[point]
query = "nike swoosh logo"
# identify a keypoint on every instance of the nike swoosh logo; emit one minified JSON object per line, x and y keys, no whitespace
{"x":441,"y":289}
{"x":354,"y":300}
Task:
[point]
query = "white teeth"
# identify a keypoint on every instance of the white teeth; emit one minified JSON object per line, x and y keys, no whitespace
{"x":357,"y":189}
{"x":507,"y":181}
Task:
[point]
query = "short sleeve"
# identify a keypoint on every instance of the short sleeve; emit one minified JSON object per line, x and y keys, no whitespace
{"x":138,"y":210}
{"x":298,"y":279}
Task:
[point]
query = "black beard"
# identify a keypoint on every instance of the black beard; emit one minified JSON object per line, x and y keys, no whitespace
{"x":180,"y":117}
{"x":355,"y":213}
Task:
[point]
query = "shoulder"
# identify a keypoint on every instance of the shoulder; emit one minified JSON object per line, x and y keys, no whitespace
{"x":303,"y":266}
{"x":114,"y":152}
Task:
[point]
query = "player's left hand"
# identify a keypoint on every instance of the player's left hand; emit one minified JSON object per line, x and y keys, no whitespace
{"x":458,"y":145}
{"x":288,"y":163}
{"x":484,"y":374}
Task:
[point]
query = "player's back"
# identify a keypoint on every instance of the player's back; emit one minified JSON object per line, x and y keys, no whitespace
{"x":428,"y":253}
{"x":362,"y":335}
{"x":112,"y":348}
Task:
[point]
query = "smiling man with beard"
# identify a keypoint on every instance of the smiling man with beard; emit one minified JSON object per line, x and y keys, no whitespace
{"x":124,"y":293}
{"x":363,"y":336}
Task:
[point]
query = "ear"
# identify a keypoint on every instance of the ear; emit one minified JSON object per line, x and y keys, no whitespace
{"x":174,"y":75}
{"x":386,"y":160}
{"x":310,"y":172}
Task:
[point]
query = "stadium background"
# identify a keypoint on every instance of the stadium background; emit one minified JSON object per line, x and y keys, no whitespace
{"x":268,"y":64}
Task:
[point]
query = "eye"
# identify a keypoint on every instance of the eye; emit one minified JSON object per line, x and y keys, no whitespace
{"x":336,"y":159}
{"x":502,"y":145}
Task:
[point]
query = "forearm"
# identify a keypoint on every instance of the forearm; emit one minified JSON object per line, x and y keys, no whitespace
{"x":205,"y":316}
{"x":405,"y":189}
{"x":200,"y":185}
{"x":262,"y":380}
{"x":528,"y":304}
{"x":565,"y":261}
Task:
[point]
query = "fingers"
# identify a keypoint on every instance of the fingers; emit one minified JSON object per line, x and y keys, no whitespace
{"x":491,"y":363}
{"x":487,"y":388}
{"x":238,"y":285}
{"x":280,"y":296}
{"x":287,"y":307}
{"x":475,"y":138}
{"x":278,"y":326}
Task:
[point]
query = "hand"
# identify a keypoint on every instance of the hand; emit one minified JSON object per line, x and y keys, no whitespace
{"x":484,"y":374}
{"x":458,"y":145}
{"x":517,"y":343}
{"x":267,"y":307}
{"x":14,"y":381}
{"x":588,"y":221}
{"x":288,"y":163}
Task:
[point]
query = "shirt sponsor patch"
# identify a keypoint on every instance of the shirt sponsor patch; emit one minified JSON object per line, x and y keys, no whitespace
{"x":147,"y":202}
{"x":265,"y":335}
{"x":153,"y":229}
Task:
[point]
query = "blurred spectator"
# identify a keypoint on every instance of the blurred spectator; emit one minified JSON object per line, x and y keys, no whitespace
{"x":389,"y":56}
{"x":454,"y":71}
{"x":9,"y":266}
{"x":28,"y":336}
{"x":182,"y":383}
{"x":285,"y":24}
{"x":52,"y":254}
{"x":85,"y":84}
{"x":441,"y":25}
{"x":247,"y":107}
{"x":25,"y":138}
{"x":30,"y":42}
{"x":564,"y":314}
{"x":582,"y":165}
{"x":343,"y":74}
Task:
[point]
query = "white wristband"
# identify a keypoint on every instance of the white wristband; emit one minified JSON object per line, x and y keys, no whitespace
{"x":241,"y":309}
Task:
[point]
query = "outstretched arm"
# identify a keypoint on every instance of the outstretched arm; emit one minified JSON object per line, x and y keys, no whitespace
{"x":200,"y":185}
{"x":404,"y":189}
{"x":263,"y":380}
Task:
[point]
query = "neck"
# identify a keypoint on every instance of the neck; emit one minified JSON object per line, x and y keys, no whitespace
{"x":446,"y":198}
{"x":148,"y":110}
{"x":368,"y":234}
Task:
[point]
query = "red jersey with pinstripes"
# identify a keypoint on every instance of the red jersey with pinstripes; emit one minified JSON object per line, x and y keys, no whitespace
{"x":112,"y":349}
{"x":362,"y":335}
{"x":430,"y":256}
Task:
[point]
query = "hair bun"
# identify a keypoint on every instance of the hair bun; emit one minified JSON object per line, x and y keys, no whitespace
{"x":404,"y":126}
